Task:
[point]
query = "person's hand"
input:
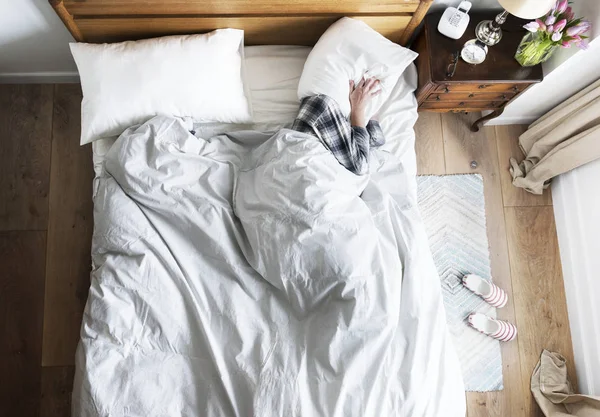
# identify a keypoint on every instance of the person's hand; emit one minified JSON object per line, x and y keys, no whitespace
{"x":360,"y":96}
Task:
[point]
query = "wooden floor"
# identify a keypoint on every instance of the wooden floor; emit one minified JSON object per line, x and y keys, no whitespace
{"x":46,"y":226}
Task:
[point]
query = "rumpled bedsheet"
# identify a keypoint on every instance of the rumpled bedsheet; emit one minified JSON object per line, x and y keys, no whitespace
{"x":263,"y":280}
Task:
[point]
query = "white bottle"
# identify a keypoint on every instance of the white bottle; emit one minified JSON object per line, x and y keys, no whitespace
{"x":454,"y":21}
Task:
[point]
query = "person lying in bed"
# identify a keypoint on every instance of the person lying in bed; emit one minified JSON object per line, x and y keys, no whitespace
{"x":349,"y":139}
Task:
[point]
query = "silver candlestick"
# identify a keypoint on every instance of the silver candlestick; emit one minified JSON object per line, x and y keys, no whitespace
{"x":489,"y":32}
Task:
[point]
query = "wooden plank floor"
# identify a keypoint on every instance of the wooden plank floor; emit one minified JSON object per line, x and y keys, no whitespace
{"x":523,"y":251}
{"x":70,"y":228}
{"x":45,"y":236}
{"x":46,"y":225}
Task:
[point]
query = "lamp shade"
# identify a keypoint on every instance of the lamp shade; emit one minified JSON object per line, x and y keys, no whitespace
{"x":527,"y":9}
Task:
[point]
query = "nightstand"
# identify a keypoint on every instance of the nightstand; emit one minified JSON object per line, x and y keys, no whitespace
{"x":472,"y":88}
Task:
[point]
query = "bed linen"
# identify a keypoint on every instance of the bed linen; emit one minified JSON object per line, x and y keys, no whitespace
{"x":273,"y":73}
{"x":200,"y":302}
{"x":235,"y":280}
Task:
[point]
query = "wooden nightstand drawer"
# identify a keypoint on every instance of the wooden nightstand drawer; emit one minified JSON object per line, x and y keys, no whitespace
{"x":477,"y":87}
{"x":474,"y":96}
{"x":461,"y":105}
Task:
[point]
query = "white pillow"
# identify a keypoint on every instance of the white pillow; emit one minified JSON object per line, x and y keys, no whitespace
{"x":349,"y":50}
{"x":199,"y":76}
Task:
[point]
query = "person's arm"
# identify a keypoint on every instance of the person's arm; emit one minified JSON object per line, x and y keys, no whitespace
{"x":349,"y":139}
{"x":376,"y":137}
{"x":365,"y":133}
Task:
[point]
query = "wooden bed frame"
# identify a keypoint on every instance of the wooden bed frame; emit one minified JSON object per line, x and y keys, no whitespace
{"x":265,"y":22}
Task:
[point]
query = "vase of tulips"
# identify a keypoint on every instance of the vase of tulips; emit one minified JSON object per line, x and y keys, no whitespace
{"x":558,"y":29}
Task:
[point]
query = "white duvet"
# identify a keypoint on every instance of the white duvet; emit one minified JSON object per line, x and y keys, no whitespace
{"x":232,"y":280}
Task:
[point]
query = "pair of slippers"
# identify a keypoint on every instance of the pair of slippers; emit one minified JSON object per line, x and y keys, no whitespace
{"x":496,"y":297}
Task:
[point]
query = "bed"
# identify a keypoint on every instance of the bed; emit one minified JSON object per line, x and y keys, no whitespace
{"x":194,"y":306}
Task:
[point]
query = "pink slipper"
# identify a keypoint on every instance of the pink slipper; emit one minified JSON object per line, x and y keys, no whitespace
{"x":491,"y":293}
{"x":498,"y":329}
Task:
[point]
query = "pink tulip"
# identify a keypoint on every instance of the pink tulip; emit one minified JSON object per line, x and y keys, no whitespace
{"x":550,"y":28}
{"x":550,"y":20}
{"x":569,"y":14}
{"x":532,"y":27}
{"x":541,"y":25}
{"x":556,"y":36}
{"x":558,"y":27}
{"x":583,"y":44}
{"x":566,"y":44}
{"x":580,"y":28}
{"x":561,"y":6}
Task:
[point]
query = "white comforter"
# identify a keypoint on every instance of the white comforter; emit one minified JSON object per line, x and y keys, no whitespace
{"x":260,"y":281}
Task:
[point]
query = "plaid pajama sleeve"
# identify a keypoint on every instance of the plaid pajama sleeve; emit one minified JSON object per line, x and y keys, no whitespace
{"x":321,"y":116}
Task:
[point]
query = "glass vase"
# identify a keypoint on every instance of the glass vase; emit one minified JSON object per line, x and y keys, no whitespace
{"x":534,"y":49}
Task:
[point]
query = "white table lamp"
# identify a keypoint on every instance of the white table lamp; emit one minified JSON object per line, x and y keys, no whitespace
{"x":489,"y":32}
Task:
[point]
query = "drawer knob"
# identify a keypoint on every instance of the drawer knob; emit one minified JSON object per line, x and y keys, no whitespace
{"x":446,"y":90}
{"x":471,"y":95}
{"x":462,"y":103}
{"x":504,"y":97}
{"x":515,"y":89}
{"x":481,"y":87}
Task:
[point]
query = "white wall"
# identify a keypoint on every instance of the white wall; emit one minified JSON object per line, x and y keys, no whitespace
{"x":576,"y":207}
{"x":33,"y":42}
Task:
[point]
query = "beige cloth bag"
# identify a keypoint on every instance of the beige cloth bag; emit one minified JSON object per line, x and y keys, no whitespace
{"x":563,"y":139}
{"x":554,"y":393}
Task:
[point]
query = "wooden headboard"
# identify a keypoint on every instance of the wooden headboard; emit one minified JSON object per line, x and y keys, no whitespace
{"x":265,"y":22}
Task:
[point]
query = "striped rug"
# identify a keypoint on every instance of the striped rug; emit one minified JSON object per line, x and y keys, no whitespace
{"x":453,"y":211}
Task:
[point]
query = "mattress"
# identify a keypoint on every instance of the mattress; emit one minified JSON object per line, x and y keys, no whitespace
{"x":273,"y":73}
